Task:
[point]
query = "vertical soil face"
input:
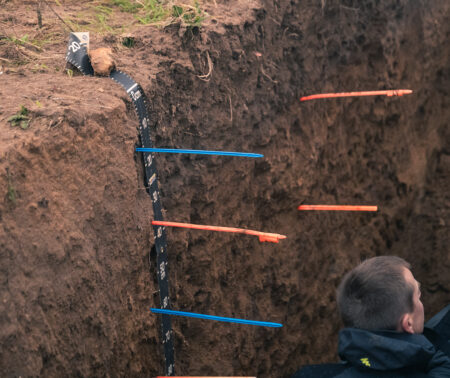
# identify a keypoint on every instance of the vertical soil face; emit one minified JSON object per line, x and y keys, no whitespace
{"x":74,"y":242}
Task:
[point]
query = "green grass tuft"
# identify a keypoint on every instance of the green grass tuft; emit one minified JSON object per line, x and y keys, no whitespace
{"x":99,"y":18}
{"x":128,"y":42}
{"x":154,"y":11}
{"x":20,"y":118}
{"x":127,"y":5}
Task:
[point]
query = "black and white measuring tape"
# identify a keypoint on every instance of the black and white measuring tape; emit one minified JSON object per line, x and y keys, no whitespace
{"x":77,"y":55}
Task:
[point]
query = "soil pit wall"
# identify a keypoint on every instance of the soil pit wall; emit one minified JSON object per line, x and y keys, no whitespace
{"x":76,"y":286}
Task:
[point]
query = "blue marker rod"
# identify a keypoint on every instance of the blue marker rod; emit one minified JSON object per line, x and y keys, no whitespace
{"x":212,"y":317}
{"x":200,"y":152}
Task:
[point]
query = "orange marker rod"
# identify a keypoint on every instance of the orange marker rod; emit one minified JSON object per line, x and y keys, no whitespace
{"x":389,"y":93}
{"x":338,"y":207}
{"x":263,"y":236}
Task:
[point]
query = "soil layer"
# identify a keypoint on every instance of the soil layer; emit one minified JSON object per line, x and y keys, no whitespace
{"x":76,"y":280}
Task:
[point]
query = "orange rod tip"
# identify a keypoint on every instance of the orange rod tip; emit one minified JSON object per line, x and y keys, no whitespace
{"x":263,"y":239}
{"x":405,"y":91}
{"x":273,"y":238}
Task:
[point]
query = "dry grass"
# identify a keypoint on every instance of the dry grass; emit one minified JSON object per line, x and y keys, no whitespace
{"x":26,"y":43}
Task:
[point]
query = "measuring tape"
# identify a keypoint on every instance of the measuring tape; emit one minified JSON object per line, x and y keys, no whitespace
{"x":78,"y":56}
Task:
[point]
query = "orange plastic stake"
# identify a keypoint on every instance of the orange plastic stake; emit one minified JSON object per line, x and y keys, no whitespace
{"x":338,"y":207}
{"x":263,"y":236}
{"x":389,"y":93}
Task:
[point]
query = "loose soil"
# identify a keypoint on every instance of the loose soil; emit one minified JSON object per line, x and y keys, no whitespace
{"x":77,"y":276}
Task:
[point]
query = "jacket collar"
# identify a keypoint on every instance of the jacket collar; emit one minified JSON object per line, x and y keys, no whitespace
{"x":384,"y":350}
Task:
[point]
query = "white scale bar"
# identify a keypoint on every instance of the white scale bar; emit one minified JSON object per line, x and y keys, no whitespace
{"x":131,"y":88}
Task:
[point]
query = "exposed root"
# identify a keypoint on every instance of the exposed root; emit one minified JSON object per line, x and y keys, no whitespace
{"x":207,"y":77}
{"x":272,"y":80}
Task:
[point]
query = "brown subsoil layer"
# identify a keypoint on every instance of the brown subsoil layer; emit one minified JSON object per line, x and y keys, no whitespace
{"x":77,"y":277}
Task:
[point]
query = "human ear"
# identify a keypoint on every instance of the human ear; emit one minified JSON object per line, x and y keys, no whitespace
{"x":406,"y":324}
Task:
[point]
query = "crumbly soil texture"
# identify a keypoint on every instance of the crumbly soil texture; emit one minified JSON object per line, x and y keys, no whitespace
{"x":77,"y":271}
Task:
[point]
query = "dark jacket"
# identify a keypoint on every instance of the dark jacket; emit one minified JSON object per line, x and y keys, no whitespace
{"x":437,"y":330}
{"x":390,"y":354}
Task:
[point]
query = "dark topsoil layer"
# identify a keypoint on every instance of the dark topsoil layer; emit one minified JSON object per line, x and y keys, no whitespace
{"x":76,"y":280}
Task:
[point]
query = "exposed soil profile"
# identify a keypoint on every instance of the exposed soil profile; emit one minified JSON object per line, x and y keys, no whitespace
{"x":76,"y":275}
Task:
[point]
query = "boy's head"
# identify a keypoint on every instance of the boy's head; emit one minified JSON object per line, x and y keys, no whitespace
{"x":381,"y":293}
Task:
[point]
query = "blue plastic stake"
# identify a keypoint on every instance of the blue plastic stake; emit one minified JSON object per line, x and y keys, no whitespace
{"x":199,"y":152}
{"x":212,"y":317}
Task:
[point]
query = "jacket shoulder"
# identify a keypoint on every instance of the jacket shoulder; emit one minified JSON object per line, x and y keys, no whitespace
{"x":440,"y":323}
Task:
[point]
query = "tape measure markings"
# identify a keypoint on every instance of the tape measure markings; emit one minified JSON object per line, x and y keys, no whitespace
{"x":77,"y":56}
